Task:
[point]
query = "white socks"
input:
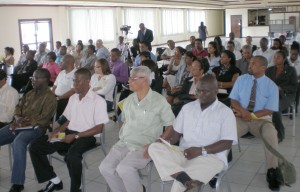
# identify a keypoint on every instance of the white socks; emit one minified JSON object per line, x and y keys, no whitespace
{"x":55,"y":180}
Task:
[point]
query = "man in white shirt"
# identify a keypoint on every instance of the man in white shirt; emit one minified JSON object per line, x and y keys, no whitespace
{"x":123,"y":48}
{"x":169,"y":52}
{"x":70,"y":47}
{"x":265,"y":51}
{"x":86,"y":115}
{"x":41,"y":56}
{"x":237,"y":44}
{"x":63,"y":85}
{"x":231,"y":47}
{"x":9,"y":98}
{"x":205,"y":136}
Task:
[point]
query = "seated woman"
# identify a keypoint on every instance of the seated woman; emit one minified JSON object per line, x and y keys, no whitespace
{"x":52,"y":67}
{"x":175,"y":63}
{"x":157,"y":80}
{"x":78,"y":54}
{"x":277,"y":46}
{"x":188,"y":92}
{"x":285,"y":77}
{"x":226,"y":73}
{"x":103,"y":82}
{"x":213,"y":55}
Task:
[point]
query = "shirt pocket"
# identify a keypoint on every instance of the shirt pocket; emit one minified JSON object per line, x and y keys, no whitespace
{"x":212,"y":130}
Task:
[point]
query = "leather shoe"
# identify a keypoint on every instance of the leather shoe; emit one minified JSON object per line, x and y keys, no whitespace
{"x":273,"y":176}
{"x":52,"y":187}
{"x":16,"y":188}
{"x":193,"y":186}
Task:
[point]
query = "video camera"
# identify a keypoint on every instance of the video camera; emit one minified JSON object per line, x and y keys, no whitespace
{"x":125,"y":28}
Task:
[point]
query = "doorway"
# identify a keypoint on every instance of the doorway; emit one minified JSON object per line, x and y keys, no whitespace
{"x":236,"y":25}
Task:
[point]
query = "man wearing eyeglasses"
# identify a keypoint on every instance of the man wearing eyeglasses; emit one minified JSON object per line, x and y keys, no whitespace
{"x":31,"y":120}
{"x":144,"y":114}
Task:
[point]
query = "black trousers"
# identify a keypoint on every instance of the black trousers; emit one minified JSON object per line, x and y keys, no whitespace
{"x":61,"y":106}
{"x":40,"y":148}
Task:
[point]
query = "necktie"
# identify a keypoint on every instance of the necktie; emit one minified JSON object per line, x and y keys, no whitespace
{"x":252,"y":96}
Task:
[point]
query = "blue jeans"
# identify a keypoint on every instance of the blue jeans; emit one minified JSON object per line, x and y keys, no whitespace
{"x":19,"y":141}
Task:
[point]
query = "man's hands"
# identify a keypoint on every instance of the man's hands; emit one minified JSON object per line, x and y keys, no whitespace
{"x":243,"y":113}
{"x":192,"y":152}
{"x":146,"y":154}
{"x":69,"y":138}
{"x":21,"y":122}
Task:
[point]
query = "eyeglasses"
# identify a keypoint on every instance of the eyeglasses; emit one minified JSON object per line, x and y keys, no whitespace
{"x":134,"y":78}
{"x":35,"y":78}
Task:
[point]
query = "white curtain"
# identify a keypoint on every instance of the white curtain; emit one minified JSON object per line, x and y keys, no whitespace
{"x":172,"y":22}
{"x":93,"y":24}
{"x":194,"y":19}
{"x":134,"y":16}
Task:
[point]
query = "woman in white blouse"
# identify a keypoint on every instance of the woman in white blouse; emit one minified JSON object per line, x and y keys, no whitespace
{"x":103,"y":82}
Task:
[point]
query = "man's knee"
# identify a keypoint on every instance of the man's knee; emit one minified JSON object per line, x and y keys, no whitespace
{"x":106,"y":168}
{"x":154,"y":148}
{"x":123,"y":169}
{"x":269,"y":131}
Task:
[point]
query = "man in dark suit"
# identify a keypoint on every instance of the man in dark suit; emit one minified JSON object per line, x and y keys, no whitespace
{"x":145,"y":35}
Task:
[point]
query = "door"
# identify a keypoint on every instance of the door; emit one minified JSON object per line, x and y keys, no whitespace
{"x":236,"y":25}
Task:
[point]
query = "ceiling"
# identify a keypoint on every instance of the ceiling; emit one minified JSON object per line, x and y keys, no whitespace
{"x":206,"y":4}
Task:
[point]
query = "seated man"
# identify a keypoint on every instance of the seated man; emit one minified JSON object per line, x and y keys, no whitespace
{"x":199,"y":51}
{"x":168,"y":53}
{"x":86,"y":115}
{"x":8,"y":100}
{"x":206,"y":135}
{"x":119,"y":69}
{"x":253,"y":98}
{"x":144,"y":114}
{"x":265,"y":51}
{"x":62,"y":53}
{"x":63,"y":85}
{"x":143,"y":48}
{"x":189,"y":47}
{"x":41,"y":56}
{"x":35,"y":110}
{"x":231,"y":47}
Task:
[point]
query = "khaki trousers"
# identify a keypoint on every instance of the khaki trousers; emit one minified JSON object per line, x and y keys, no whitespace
{"x":269,"y":133}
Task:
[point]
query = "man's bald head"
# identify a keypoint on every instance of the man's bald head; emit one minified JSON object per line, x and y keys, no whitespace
{"x":68,"y":62}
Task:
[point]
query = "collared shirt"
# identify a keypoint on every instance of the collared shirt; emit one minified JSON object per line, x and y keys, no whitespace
{"x":202,"y":54}
{"x":214,"y":62}
{"x":189,"y":47}
{"x":237,"y":45}
{"x":106,"y":84}
{"x":123,"y":49}
{"x":54,"y":70}
{"x":169,"y":52}
{"x":102,"y":53}
{"x":64,"y":82}
{"x":70,"y":49}
{"x":58,"y":59}
{"x":137,"y":60}
{"x":41,"y":58}
{"x":143,"y":120}
{"x":268,"y":54}
{"x":9,"y":98}
{"x":87,"y":61}
{"x":120,"y":71}
{"x":202,"y":128}
{"x":38,"y":106}
{"x":267,"y":94}
{"x":243,"y":65}
{"x":86,"y":113}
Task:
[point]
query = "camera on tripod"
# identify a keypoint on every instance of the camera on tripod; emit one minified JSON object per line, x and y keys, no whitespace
{"x":125,"y":28}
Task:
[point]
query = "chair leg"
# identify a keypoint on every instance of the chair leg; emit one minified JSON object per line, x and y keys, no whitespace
{"x":10,"y":156}
{"x":294,"y":121}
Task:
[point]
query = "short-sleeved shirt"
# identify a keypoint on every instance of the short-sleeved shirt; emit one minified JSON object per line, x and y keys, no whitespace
{"x":86,"y":113}
{"x":267,"y":94}
{"x":268,"y":54}
{"x":54,"y":70}
{"x":201,"y":128}
{"x":64,"y":82}
{"x":243,"y":65}
{"x":9,"y":98}
{"x":143,"y":120}
{"x":199,"y":54}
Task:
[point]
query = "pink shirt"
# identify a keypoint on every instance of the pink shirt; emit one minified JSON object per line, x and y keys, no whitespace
{"x":54,"y":70}
{"x":200,"y":54}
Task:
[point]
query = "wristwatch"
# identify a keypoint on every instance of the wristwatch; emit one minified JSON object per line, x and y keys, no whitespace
{"x":204,"y":152}
{"x":77,"y":136}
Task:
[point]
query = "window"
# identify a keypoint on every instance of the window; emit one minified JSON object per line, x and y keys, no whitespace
{"x":34,"y":32}
{"x":93,"y":24}
{"x":133,"y":17}
{"x":172,"y":22}
{"x":194,"y":19}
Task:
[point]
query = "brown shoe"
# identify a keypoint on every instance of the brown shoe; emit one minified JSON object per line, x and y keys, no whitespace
{"x":193,"y":186}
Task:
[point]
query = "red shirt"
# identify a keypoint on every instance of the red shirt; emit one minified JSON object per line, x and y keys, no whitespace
{"x":54,"y":70}
{"x":200,"y":54}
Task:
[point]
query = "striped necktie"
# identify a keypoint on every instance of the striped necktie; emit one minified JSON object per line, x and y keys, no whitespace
{"x":252,"y":96}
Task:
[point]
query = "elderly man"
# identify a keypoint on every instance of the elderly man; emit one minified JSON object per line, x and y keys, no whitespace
{"x":243,"y":63}
{"x":143,"y":48}
{"x":199,"y":51}
{"x":145,"y":35}
{"x":63,"y":85}
{"x":86,"y":115}
{"x":189,"y":47}
{"x":41,"y":56}
{"x":33,"y":113}
{"x":254,"y":98}
{"x":70,"y":47}
{"x":265,"y":51}
{"x":144,"y":114}
{"x":101,"y":51}
{"x":8,"y":100}
{"x":205,"y":136}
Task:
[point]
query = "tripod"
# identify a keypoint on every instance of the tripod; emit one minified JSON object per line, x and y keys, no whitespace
{"x":126,"y":52}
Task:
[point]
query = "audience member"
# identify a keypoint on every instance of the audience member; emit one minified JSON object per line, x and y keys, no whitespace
{"x":145,"y":35}
{"x":265,"y":51}
{"x":70,"y":47}
{"x":57,"y":48}
{"x":237,"y":44}
{"x":184,"y":71}
{"x":213,"y":57}
{"x":143,"y":48}
{"x":249,"y":42}
{"x":63,"y":85}
{"x":277,"y":46}
{"x":119,"y":69}
{"x":135,"y":50}
{"x":144,"y":114}
{"x":231,"y":47}
{"x":8,"y":100}
{"x":157,"y":80}
{"x":202,"y":30}
{"x":169,"y":52}
{"x":199,"y":51}
{"x":78,"y":54}
{"x":41,"y":56}
{"x":20,"y":78}
{"x":22,"y":59}
{"x":102,"y":52}
{"x":103,"y":82}
{"x":89,"y":58}
{"x":220,"y":46}
{"x":86,"y":115}
{"x":243,"y":63}
{"x":90,"y":42}
{"x":205,"y":135}
{"x":294,"y":61}
{"x":282,"y":39}
{"x":35,"y":110}
{"x":9,"y":59}
{"x":123,"y":48}
{"x":189,"y":47}
{"x":285,"y":77}
{"x":253,"y":98}
{"x":62,"y":53}
{"x":52,"y":67}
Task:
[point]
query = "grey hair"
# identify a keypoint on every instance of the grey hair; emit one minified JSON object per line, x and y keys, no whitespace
{"x":144,"y":71}
{"x":247,"y":47}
